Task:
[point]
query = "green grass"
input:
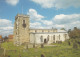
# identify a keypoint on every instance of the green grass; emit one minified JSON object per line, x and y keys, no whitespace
{"x":61,"y":50}
{"x":1,"y":52}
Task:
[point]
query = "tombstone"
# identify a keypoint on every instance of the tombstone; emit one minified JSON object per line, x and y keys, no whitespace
{"x":33,"y":45}
{"x":0,"y":45}
{"x":26,"y":45}
{"x":42,"y":45}
{"x":42,"y":55}
{"x":69,"y":43}
{"x":19,"y":56}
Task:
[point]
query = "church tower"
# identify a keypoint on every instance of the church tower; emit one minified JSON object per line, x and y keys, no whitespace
{"x":21,"y":29}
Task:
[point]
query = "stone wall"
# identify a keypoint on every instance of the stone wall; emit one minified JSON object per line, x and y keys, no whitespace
{"x":21,"y":33}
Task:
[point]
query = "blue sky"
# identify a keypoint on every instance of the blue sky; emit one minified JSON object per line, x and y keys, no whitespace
{"x":43,"y":14}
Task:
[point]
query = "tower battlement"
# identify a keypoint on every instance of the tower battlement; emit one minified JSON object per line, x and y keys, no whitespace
{"x":22,"y":15}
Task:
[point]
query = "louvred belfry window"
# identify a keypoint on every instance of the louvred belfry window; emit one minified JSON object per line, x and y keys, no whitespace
{"x":24,"y":24}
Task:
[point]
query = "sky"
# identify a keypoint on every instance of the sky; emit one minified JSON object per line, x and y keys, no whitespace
{"x":44,"y":14}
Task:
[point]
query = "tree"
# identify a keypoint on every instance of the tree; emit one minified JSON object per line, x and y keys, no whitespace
{"x":75,"y":33}
{"x":5,"y":38}
{"x":62,"y":29}
{"x":69,"y":30}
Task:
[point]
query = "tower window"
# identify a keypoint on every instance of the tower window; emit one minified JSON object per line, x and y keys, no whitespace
{"x":23,"y":21}
{"x":24,"y":24}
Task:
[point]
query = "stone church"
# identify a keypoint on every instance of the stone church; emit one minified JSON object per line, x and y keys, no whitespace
{"x":23,"y":33}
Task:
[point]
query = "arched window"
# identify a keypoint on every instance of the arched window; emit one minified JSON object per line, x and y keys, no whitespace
{"x":41,"y":38}
{"x":23,"y":21}
{"x":65,"y":36}
{"x":24,"y":24}
{"x":48,"y":38}
{"x":59,"y":37}
{"x":53,"y":37}
{"x":35,"y":30}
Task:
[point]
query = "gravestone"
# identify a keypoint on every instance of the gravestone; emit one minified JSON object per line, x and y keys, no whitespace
{"x":42,"y":55}
{"x":42,"y":45}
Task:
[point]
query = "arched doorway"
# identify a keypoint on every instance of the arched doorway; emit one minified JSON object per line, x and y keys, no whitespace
{"x":45,"y":41}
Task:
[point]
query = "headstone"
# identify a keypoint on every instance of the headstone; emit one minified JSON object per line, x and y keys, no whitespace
{"x":33,"y":45}
{"x":42,"y":45}
{"x":42,"y":55}
{"x":19,"y":56}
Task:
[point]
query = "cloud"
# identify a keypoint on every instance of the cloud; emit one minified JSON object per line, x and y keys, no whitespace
{"x":67,"y":21}
{"x":58,"y":21}
{"x":58,"y":3}
{"x":36,"y":25}
{"x":47,"y":22}
{"x":40,"y":25}
{"x":64,"y":19}
{"x":45,"y":3}
{"x":5,"y":22}
{"x":59,"y":26}
{"x":12,"y":2}
{"x":38,"y":21}
{"x":34,"y":15}
{"x":6,"y":27}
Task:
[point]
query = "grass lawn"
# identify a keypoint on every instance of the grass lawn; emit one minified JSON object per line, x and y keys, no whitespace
{"x":61,"y":50}
{"x":1,"y":52}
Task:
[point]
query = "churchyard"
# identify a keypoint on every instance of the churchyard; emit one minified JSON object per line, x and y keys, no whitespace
{"x":65,"y":49}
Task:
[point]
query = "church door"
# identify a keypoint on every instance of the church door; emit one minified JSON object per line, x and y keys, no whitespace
{"x":45,"y":41}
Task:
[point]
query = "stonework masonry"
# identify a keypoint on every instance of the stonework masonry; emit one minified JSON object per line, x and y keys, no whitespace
{"x":21,"y":29}
{"x":23,"y":34}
